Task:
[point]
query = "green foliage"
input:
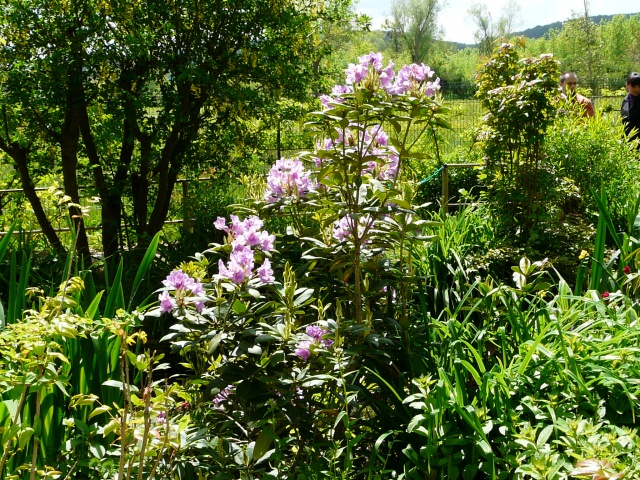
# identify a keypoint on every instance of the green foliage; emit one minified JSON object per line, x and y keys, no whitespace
{"x":413,"y":26}
{"x":518,"y":374}
{"x":594,"y":154}
{"x":518,"y":96}
{"x":282,"y":404}
{"x":99,"y":95}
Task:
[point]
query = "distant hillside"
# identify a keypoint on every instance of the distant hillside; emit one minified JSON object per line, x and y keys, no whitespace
{"x":541,"y":30}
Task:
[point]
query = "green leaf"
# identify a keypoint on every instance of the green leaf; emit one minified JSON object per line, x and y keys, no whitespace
{"x":115,"y":296}
{"x":97,"y":450}
{"x":100,"y":410}
{"x":24,"y":437}
{"x":263,"y":442}
{"x":145,"y":265}
{"x":544,"y":435}
{"x":239,"y":307}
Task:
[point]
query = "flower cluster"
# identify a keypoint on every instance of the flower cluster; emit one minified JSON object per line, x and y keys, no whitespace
{"x":246,"y":236}
{"x":378,"y":145}
{"x":186,"y":290}
{"x":288,"y":179}
{"x":337,"y":92}
{"x":316,"y":337}
{"x":344,"y":228}
{"x":161,"y":419}
{"x":369,"y":73}
{"x":374,"y":142}
{"x":223,"y":397}
{"x":414,"y":79}
{"x":370,"y":68}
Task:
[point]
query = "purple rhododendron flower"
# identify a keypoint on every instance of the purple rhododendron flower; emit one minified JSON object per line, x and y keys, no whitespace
{"x":355,"y":73}
{"x":288,"y":179}
{"x":186,"y":290}
{"x":265,"y":272}
{"x":376,"y":143}
{"x":167,"y":303}
{"x":223,"y":397}
{"x":221,"y":224}
{"x":344,"y":228}
{"x":246,"y":237}
{"x":239,"y":266}
{"x":304,"y":350}
{"x":370,"y":62}
{"x":178,"y":280}
{"x":338,"y":90}
{"x":318,"y":333}
{"x":326,"y":100}
{"x":373,"y":58}
{"x":414,"y":79}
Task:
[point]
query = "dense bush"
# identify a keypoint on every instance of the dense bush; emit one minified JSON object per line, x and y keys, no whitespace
{"x":329,"y":330}
{"x":594,"y":154}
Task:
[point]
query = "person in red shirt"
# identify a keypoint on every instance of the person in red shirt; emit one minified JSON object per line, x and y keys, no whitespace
{"x":568,"y":83}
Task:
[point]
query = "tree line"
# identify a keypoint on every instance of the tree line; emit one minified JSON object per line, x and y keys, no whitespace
{"x":128,"y":96}
{"x":607,"y":49}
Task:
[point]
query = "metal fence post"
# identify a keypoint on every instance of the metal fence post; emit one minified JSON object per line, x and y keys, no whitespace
{"x":445,"y":188}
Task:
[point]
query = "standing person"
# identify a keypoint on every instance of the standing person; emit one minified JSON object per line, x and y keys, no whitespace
{"x":630,"y":110}
{"x":569,"y":81}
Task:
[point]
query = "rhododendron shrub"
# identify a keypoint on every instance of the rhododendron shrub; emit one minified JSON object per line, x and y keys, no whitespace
{"x":278,"y":328}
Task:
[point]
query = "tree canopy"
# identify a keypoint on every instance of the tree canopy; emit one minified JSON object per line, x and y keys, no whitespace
{"x":121,"y":94}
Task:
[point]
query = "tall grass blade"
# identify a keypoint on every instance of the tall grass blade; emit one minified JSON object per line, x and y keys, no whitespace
{"x":4,"y":243}
{"x":115,"y":298}
{"x":598,"y":253}
{"x":603,"y":210}
{"x":144,"y":267}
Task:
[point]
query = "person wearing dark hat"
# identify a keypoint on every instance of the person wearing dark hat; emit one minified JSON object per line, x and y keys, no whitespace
{"x":630,"y":110}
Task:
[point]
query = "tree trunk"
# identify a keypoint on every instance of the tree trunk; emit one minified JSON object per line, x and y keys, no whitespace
{"x":20,"y":157}
{"x":69,"y":139}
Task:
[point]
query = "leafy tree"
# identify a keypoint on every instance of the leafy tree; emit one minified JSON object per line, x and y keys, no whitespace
{"x":414,"y":26}
{"x":621,"y":45}
{"x":518,"y":95}
{"x":488,"y":31}
{"x":484,"y":34}
{"x":124,"y":94}
{"x":579,"y":48}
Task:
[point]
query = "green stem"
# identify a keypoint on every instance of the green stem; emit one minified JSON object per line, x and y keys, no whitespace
{"x":165,"y":442}
{"x":124,"y":372}
{"x":36,"y":443}
{"x":147,"y":417}
{"x":5,"y":453}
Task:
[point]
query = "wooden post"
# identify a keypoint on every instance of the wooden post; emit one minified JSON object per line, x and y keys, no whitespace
{"x":186,"y":211}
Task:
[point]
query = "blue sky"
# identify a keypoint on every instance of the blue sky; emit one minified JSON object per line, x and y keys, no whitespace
{"x":458,"y":27}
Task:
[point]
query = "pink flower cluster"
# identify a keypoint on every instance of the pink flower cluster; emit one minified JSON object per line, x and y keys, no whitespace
{"x":288,"y":179}
{"x":375,"y":142}
{"x":337,"y":92}
{"x":316,"y":337}
{"x":246,"y":237}
{"x":370,"y":73}
{"x":185,"y":290}
{"x":223,"y":397}
{"x":344,"y":228}
{"x":414,"y":79}
{"x":378,"y":145}
{"x":370,"y":64}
